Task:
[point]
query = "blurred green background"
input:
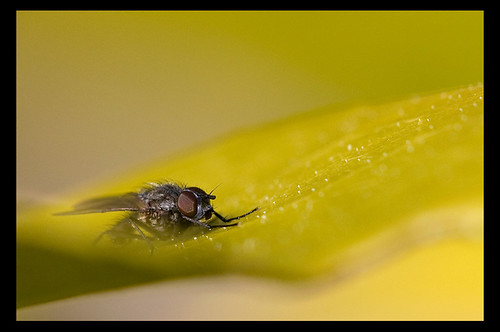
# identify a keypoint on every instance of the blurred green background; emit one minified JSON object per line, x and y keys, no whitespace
{"x":99,"y":92}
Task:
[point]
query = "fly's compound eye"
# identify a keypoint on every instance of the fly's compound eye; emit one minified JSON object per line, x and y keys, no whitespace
{"x":187,"y":204}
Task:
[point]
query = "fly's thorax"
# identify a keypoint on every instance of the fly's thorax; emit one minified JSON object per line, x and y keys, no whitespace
{"x":160,"y":197}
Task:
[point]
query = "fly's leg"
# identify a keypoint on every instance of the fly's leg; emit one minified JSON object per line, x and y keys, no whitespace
{"x":194,"y":221}
{"x":231,"y":219}
{"x":216,"y":226}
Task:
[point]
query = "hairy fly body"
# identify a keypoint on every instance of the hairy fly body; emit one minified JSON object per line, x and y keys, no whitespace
{"x":157,"y":209}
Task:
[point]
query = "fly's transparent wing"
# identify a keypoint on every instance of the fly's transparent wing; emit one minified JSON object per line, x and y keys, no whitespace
{"x":126,"y":202}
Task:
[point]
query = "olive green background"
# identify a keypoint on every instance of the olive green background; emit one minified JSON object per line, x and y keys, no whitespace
{"x":100,"y":92}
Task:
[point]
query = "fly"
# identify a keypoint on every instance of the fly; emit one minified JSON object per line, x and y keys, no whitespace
{"x":158,"y":209}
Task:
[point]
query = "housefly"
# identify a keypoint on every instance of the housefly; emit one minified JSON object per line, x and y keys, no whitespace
{"x":160,"y":209}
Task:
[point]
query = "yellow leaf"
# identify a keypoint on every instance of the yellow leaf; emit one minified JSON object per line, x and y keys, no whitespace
{"x":339,"y":190}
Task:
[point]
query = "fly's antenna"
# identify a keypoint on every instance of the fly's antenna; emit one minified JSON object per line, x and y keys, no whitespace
{"x":217,"y":186}
{"x":210,"y":193}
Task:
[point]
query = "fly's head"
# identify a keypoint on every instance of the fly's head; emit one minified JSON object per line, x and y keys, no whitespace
{"x":194,"y":203}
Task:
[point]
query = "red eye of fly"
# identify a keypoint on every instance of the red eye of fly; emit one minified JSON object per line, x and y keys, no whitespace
{"x":187,"y":204}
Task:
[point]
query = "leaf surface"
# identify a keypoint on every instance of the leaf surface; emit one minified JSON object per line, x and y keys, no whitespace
{"x":338,"y":190}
